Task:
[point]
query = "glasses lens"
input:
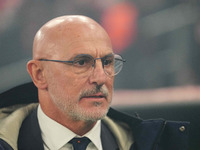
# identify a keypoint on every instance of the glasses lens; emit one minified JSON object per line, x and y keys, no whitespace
{"x":82,"y":63}
{"x":113,"y":65}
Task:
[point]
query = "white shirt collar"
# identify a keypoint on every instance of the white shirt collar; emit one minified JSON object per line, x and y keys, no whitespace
{"x":55,"y":135}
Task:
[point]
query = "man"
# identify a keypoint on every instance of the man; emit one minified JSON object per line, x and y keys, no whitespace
{"x":73,"y":68}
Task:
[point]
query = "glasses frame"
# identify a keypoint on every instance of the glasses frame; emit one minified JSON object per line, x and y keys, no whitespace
{"x":102,"y":60}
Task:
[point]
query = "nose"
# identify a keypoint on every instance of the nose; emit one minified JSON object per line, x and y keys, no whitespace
{"x":98,"y":75}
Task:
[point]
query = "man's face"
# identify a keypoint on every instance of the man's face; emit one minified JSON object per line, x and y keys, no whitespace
{"x":85,"y":96}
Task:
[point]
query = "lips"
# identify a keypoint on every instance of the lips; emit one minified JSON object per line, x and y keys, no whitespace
{"x":94,"y":94}
{"x":99,"y":95}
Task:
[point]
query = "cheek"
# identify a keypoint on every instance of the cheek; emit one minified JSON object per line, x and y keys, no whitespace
{"x":110,"y":90}
{"x":109,"y":85}
{"x":73,"y":85}
{"x":110,"y":82}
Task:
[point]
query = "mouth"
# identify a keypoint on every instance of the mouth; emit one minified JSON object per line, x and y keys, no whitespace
{"x":95,"y":96}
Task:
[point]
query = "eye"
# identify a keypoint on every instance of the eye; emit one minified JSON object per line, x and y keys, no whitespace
{"x":108,"y":61}
{"x":82,"y":61}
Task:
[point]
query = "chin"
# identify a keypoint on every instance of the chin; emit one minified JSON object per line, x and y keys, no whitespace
{"x":93,"y":114}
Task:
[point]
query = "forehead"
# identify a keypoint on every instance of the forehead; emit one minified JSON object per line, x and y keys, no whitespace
{"x":70,"y":38}
{"x":96,"y":44}
{"x":93,"y":48}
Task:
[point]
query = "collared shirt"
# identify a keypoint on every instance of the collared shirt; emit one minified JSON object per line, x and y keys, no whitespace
{"x":56,"y":137}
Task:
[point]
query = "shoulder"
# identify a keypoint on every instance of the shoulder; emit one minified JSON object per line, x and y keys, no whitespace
{"x":11,"y":119}
{"x":152,"y":132}
{"x":136,"y":122}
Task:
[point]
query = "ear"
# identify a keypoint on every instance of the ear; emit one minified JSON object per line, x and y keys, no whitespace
{"x":36,"y":72}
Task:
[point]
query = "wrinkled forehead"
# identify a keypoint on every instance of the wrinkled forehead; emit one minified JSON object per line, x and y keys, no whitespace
{"x":66,"y":35}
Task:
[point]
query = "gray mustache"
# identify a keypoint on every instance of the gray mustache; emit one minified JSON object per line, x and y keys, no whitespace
{"x":95,"y":90}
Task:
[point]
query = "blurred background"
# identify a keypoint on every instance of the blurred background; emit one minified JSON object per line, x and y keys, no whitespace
{"x":160,"y":39}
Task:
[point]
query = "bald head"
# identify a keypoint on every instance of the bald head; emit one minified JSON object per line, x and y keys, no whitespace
{"x":60,"y":88}
{"x":63,"y":31}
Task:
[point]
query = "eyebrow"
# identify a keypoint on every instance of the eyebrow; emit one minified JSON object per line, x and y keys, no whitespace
{"x":73,"y":56}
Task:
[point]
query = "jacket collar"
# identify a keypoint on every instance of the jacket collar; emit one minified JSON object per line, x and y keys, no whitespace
{"x":144,"y":131}
{"x":148,"y":132}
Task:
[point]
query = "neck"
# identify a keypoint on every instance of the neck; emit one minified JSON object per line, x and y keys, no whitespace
{"x":79,"y":127}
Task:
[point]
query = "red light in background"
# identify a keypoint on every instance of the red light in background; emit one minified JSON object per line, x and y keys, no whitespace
{"x":120,"y":21}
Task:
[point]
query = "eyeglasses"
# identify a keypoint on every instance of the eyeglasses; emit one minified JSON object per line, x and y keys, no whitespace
{"x":84,"y":63}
